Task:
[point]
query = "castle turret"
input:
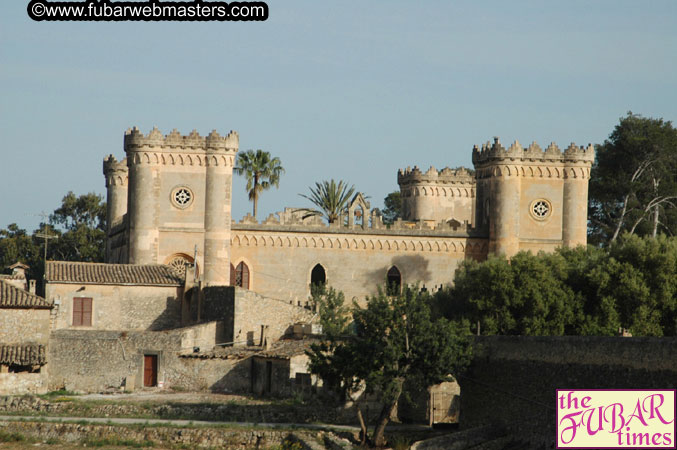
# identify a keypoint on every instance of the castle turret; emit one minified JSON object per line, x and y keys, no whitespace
{"x":437,"y":195}
{"x":530,"y":199}
{"x":220,"y":160}
{"x":577,"y":163}
{"x":116,"y":174}
{"x":143,"y":164}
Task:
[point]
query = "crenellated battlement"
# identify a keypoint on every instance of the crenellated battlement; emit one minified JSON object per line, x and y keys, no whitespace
{"x":432,"y":175}
{"x":135,"y":140}
{"x":116,"y":172}
{"x":494,"y":152}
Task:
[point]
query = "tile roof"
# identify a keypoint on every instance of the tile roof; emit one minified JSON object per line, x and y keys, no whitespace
{"x":288,"y":348}
{"x":14,"y":276}
{"x":101,"y":273}
{"x":13,"y":297}
{"x":23,"y":354}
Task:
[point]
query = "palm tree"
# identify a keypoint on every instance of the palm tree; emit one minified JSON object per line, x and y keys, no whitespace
{"x":261,"y":171}
{"x":332,"y":198}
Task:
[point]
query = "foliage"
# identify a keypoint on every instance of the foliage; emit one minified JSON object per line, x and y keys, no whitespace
{"x":334,"y":315}
{"x":393,"y":207}
{"x":395,"y":341}
{"x":633,"y":186}
{"x":78,"y":224}
{"x":581,"y":291}
{"x":17,"y":245}
{"x":82,"y":224}
{"x":261,"y":171}
{"x":330,"y":197}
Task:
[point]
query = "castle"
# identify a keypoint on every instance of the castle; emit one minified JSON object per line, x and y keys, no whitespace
{"x":190,"y":298}
{"x":169,"y":202}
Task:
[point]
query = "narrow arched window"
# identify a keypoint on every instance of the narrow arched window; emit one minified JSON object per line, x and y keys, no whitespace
{"x":239,"y":276}
{"x":393,"y":281}
{"x":318,"y":276}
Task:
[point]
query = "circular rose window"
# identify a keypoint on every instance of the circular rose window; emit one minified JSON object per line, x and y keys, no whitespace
{"x":540,"y":209}
{"x":181,"y":197}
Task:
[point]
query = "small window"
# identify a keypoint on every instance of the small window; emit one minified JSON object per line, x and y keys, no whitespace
{"x":82,"y":312}
{"x":318,"y":276}
{"x":394,"y":281}
{"x":239,"y":276}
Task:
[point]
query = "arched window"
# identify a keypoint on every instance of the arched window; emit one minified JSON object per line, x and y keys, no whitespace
{"x":239,"y":276}
{"x":394,"y":281}
{"x":318,"y":276}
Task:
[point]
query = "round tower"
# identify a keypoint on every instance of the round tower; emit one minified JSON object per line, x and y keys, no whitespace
{"x":116,"y":174}
{"x":142,"y":162}
{"x":577,"y":164}
{"x":500,"y":190}
{"x":220,"y":158}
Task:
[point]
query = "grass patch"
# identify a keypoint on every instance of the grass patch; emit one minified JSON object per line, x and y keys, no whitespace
{"x":58,"y":393}
{"x":117,"y":443}
{"x":12,"y":437}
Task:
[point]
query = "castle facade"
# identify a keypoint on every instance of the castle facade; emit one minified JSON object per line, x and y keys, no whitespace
{"x":169,"y":202}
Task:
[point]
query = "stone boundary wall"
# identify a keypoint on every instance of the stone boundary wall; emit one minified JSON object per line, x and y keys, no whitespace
{"x":512,"y":380}
{"x":183,"y":437}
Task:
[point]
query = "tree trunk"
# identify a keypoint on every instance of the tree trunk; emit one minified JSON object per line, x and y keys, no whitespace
{"x":364,"y":435}
{"x":255,"y":200}
{"x":383,"y":419}
{"x":655,"y":221}
{"x":620,"y":219}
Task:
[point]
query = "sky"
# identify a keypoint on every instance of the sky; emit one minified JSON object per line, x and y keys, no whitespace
{"x":348,"y":90}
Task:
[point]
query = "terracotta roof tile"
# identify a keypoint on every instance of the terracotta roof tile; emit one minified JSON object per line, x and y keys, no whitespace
{"x":101,"y":273}
{"x":14,"y":276}
{"x":13,"y":297}
{"x":23,"y":354}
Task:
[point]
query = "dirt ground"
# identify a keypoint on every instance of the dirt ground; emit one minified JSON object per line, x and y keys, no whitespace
{"x":158,"y":395}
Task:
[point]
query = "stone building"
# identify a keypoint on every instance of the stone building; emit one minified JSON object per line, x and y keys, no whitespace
{"x":188,"y":297}
{"x":170,"y":198}
{"x":24,"y":333}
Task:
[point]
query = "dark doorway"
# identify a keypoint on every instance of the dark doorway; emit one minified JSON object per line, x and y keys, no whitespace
{"x":394,"y":281}
{"x":318,"y":276}
{"x":149,"y":370}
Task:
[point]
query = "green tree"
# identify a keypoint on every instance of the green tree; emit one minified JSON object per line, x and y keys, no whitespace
{"x":330,"y":197}
{"x":392,"y":207}
{"x":16,"y":245}
{"x":261,"y":171}
{"x":81,"y":223}
{"x":395,"y":341}
{"x":633,"y":185}
{"x":526,"y":295}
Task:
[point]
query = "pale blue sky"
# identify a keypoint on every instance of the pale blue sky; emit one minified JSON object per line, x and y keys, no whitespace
{"x":350,"y":90}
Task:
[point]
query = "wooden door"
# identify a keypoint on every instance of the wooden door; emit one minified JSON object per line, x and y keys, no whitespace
{"x":444,"y":407}
{"x":150,"y":370}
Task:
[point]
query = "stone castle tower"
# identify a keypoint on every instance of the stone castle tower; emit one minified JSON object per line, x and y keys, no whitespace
{"x":521,"y":199}
{"x":169,"y":201}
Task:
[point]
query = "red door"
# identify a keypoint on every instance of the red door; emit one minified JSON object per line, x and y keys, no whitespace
{"x":150,"y":370}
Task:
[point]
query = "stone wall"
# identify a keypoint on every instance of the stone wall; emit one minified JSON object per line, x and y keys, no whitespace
{"x":282,"y":381}
{"x":93,"y":361}
{"x":119,"y":307}
{"x":24,"y":383}
{"x":24,"y":325}
{"x":513,"y":379}
{"x":281,"y":259}
{"x":252,"y":311}
{"x":233,"y":438}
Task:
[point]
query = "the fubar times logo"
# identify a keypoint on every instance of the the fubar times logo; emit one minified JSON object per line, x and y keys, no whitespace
{"x":624,"y":418}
